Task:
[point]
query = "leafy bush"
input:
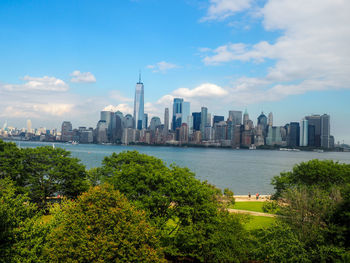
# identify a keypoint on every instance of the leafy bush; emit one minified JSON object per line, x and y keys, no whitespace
{"x":101,"y":226}
{"x":270,"y":207}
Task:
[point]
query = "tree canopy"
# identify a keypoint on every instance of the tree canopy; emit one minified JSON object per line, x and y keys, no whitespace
{"x":14,"y":210}
{"x":322,"y":173}
{"x":314,"y":200}
{"x":43,"y":171}
{"x":101,"y":226}
{"x":185,"y":210}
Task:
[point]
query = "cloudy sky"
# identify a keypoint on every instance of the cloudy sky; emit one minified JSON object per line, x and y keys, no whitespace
{"x":68,"y":60}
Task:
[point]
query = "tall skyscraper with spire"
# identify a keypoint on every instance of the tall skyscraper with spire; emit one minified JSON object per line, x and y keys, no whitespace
{"x":139,"y":114}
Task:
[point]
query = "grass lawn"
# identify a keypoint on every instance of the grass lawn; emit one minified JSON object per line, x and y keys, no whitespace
{"x":250,"y":206}
{"x":257,"y":222}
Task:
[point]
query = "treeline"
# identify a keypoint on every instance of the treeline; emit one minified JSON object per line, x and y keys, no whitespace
{"x":136,"y":209}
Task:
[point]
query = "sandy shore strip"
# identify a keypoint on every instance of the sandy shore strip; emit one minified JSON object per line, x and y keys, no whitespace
{"x":245,"y":198}
{"x":253,"y":213}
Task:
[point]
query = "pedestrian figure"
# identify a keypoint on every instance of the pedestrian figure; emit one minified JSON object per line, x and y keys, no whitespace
{"x":257,"y":196}
{"x":249,"y":195}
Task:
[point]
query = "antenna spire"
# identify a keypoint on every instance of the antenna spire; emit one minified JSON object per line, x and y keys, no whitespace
{"x":140,"y":76}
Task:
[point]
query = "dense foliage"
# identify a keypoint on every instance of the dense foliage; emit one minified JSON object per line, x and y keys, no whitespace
{"x":14,"y":210}
{"x":42,"y":172}
{"x":185,"y":210}
{"x":324,"y":174}
{"x":314,"y":214}
{"x":101,"y":226}
{"x":140,"y":210}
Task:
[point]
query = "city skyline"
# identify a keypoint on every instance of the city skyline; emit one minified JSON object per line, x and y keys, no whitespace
{"x":113,"y":127}
{"x":63,"y":61}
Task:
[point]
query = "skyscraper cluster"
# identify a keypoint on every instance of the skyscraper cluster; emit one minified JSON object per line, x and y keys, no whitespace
{"x":201,"y":128}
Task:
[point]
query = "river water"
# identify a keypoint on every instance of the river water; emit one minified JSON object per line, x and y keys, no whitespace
{"x":242,"y":171}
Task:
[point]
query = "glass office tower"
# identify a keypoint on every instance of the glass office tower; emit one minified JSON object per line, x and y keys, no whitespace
{"x":139,"y":114}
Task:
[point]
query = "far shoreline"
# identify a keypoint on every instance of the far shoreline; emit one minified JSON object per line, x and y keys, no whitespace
{"x":190,"y":145}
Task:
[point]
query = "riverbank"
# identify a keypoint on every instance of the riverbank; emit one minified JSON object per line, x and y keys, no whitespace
{"x":212,"y":145}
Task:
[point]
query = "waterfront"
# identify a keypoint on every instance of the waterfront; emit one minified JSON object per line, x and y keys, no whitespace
{"x":242,"y":171}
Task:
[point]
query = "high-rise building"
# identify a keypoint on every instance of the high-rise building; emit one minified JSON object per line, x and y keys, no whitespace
{"x":139,"y":122}
{"x":315,"y":120}
{"x":311,"y":135}
{"x":204,"y":116}
{"x":262,"y":123}
{"x":119,"y":126}
{"x":66,"y":131}
{"x":166,"y":121}
{"x":270,"y":119}
{"x":262,"y":120}
{"x":304,"y":129}
{"x":220,"y":130}
{"x":208,"y":133}
{"x":294,"y":134}
{"x":177,"y":113}
{"x":128,"y":121}
{"x":245,"y":117}
{"x":230,"y":130}
{"x":154,"y":124}
{"x":325,"y":131}
{"x":235,"y":117}
{"x":29,"y":126}
{"x":146,"y":120}
{"x":273,"y":136}
{"x":108,"y":117}
{"x":196,"y":121}
{"x":209,"y":120}
{"x":183,"y":133}
{"x":190,"y":125}
{"x":217,"y":119}
{"x":101,"y":132}
{"x":186,"y":112}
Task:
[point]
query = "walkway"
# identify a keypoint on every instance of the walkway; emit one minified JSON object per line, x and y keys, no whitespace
{"x":237,"y":211}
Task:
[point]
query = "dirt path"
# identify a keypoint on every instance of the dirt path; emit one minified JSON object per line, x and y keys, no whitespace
{"x":237,"y":211}
{"x":245,"y":198}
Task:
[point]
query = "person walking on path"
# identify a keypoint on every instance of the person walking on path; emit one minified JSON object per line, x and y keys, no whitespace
{"x":257,"y":196}
{"x":249,"y":195}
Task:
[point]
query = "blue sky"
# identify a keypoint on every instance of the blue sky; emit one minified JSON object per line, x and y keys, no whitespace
{"x":68,"y":60}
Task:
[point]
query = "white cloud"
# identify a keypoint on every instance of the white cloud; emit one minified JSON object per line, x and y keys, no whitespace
{"x":162,"y":67}
{"x":36,"y":110}
{"x":38,"y":84}
{"x":57,"y":109}
{"x":204,"y":90}
{"x":82,"y":77}
{"x":311,"y":54}
{"x":123,"y":107}
{"x":116,"y":95}
{"x":221,"y":9}
{"x":46,"y":99}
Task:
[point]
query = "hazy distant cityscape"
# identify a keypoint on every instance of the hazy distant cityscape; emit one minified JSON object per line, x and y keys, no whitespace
{"x":184,"y":128}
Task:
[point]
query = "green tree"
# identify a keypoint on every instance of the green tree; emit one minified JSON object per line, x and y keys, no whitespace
{"x":183,"y":208}
{"x":42,"y":172}
{"x":52,"y":171}
{"x":14,"y":210}
{"x":325,"y":174}
{"x":11,"y":163}
{"x":30,"y":239}
{"x":93,"y":177}
{"x":315,"y":198}
{"x":278,"y":243}
{"x":101,"y":226}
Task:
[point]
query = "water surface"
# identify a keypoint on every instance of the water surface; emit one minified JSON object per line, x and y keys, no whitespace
{"x":242,"y":171}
